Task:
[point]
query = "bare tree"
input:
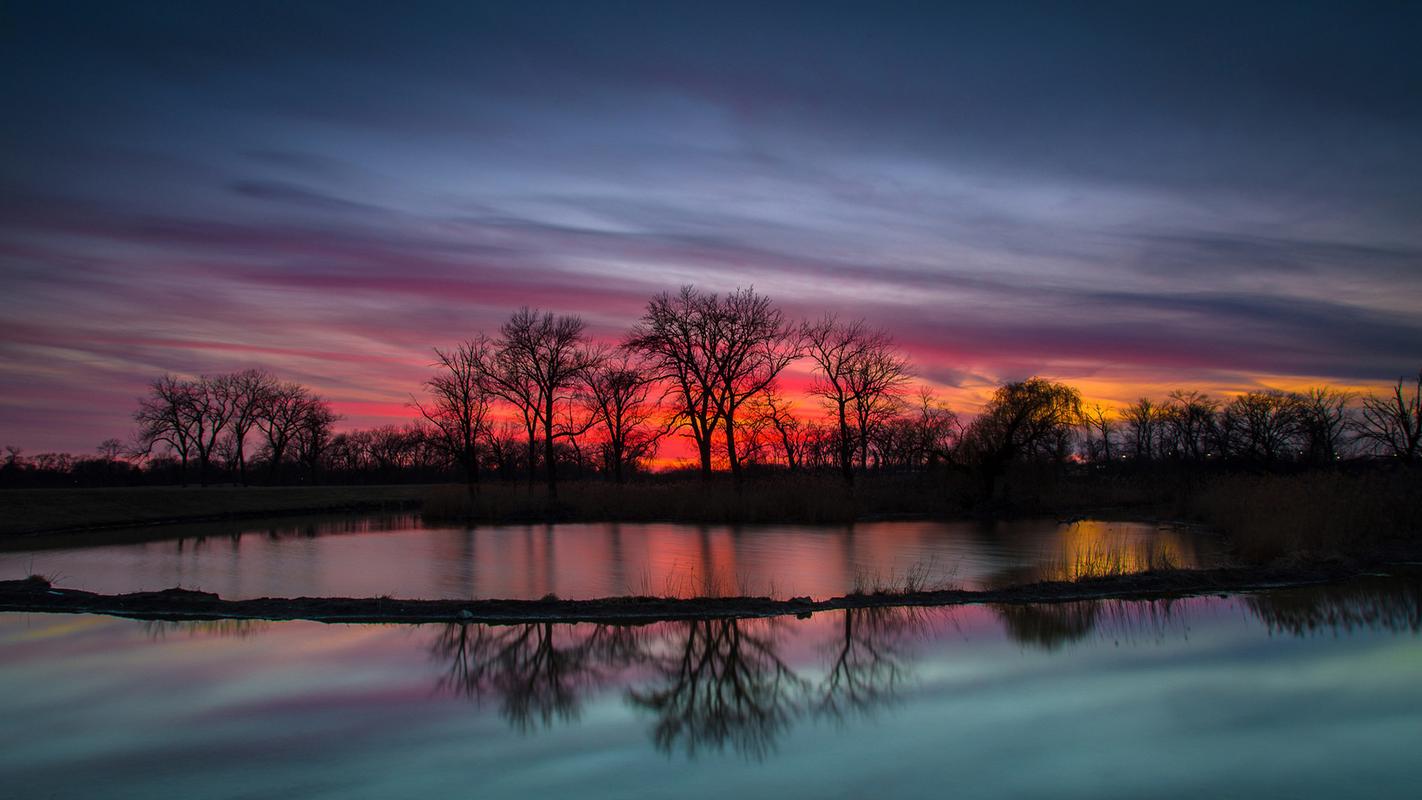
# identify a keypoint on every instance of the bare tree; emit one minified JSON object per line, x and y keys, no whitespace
{"x":1392,"y":423}
{"x":788,"y":429}
{"x":938,"y":429}
{"x":249,"y":392}
{"x":678,"y":335}
{"x":165,"y":417}
{"x":1268,"y":423}
{"x":1142,"y":420}
{"x":508,"y":378}
{"x":1189,"y":418}
{"x":1099,"y":421}
{"x":752,"y":345}
{"x":460,"y":403}
{"x":876,"y":383}
{"x":283,"y":409}
{"x":618,"y":388}
{"x":313,"y":434}
{"x":857,"y":375}
{"x":547,"y":354}
{"x":1322,"y":422}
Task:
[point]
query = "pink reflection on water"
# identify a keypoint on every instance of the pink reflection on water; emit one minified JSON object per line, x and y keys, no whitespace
{"x":400,"y":557}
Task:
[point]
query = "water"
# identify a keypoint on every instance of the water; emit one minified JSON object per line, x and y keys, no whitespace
{"x":397,"y":556}
{"x":1289,"y":694}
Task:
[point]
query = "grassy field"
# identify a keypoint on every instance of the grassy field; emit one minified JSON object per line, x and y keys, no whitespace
{"x":807,"y":499}
{"x":1268,"y":518}
{"x":27,"y":511}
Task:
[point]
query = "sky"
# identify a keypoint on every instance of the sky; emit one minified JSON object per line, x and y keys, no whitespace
{"x":1129,"y":197}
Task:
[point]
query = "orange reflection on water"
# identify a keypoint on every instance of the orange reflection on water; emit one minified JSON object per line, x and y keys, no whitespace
{"x":405,"y":559}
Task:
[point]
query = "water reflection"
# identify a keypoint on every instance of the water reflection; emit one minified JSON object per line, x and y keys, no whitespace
{"x":224,"y":628}
{"x":731,"y":684}
{"x":537,"y":672}
{"x":1011,"y":700}
{"x":1373,"y":603}
{"x":396,"y":556}
{"x":1051,"y":626}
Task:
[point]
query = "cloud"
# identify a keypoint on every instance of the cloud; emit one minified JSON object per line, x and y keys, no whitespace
{"x":1137,"y":198}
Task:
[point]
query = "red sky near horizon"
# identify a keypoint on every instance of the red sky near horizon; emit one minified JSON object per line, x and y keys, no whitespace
{"x":188,"y":189}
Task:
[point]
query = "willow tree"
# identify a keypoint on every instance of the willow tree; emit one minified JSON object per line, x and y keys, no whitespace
{"x":1023,"y":420}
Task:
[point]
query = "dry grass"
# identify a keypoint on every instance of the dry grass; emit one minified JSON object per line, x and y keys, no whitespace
{"x":808,"y":499}
{"x":37,"y":510}
{"x":1313,"y":516}
{"x":1105,"y":560}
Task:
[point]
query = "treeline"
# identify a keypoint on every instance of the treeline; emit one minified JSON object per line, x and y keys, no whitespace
{"x":537,"y":398}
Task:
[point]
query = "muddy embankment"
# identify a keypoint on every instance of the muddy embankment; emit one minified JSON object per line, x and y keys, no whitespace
{"x":38,"y":595}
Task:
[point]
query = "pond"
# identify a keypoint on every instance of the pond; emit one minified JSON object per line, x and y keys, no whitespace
{"x":1302,"y":693}
{"x":400,"y":557}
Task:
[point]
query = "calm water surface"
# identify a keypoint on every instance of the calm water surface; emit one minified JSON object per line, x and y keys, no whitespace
{"x":398,"y":556}
{"x":1290,"y":694}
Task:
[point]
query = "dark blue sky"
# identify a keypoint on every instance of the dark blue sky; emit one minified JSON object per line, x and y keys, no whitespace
{"x":1123,"y":195}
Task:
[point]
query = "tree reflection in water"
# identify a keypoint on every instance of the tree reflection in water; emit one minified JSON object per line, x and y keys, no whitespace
{"x":1050,"y":626}
{"x":539,"y":672}
{"x":709,"y":684}
{"x":1377,"y":603}
{"x":724,"y":684}
{"x":720,"y":682}
{"x":869,"y":662}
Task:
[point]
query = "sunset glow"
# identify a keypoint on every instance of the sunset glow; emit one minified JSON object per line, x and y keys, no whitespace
{"x":182,"y":193}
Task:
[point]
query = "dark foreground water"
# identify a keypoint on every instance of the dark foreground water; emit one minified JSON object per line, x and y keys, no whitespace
{"x":397,"y":556}
{"x":1289,"y":694}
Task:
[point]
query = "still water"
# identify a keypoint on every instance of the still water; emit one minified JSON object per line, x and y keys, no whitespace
{"x":398,"y":556}
{"x":1287,"y":694}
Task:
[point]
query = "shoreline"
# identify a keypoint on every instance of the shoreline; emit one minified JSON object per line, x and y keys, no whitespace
{"x":33,"y":513}
{"x":38,"y":596}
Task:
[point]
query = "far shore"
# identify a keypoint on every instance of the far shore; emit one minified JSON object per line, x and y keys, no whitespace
{"x":32,"y":512}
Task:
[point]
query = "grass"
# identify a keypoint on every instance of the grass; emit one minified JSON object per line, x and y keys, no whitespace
{"x":1107,"y":560}
{"x":1315,"y":516}
{"x":27,"y":511}
{"x":807,"y":499}
{"x":1268,"y":518}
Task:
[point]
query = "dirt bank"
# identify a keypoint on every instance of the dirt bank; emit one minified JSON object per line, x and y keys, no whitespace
{"x":179,"y":604}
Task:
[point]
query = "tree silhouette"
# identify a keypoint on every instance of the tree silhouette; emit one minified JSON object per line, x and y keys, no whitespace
{"x":618,"y":388}
{"x":857,"y":375}
{"x":542,"y":358}
{"x":1392,"y":423}
{"x":460,"y":403}
{"x":1021,"y":420}
{"x":678,"y":336}
{"x":721,"y":686}
{"x":165,"y":417}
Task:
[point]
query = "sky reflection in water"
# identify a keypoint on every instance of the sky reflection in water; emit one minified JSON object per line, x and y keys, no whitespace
{"x":365,"y":557}
{"x":1305,"y":693}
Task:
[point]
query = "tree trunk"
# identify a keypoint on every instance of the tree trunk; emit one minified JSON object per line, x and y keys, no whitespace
{"x":731,"y":450}
{"x":846,"y":458}
{"x":548,"y":453}
{"x":703,"y":446}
